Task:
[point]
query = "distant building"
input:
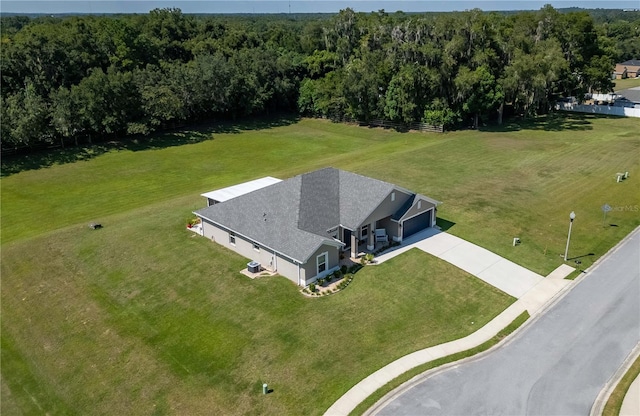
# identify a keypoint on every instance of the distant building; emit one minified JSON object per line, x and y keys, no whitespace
{"x":627,"y":69}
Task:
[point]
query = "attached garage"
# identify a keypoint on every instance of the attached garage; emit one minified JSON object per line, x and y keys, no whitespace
{"x":418,"y":214}
{"x":417,"y":223}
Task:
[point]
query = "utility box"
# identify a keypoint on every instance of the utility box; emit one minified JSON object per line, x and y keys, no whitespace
{"x":253,"y":267}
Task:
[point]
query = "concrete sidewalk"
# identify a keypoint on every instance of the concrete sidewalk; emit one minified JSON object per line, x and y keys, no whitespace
{"x":534,"y":297}
{"x":499,"y":272}
{"x":631,"y":401}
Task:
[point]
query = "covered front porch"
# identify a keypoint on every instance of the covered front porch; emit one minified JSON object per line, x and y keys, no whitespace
{"x":369,"y":238}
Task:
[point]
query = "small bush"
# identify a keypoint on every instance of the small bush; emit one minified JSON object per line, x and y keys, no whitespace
{"x":329,"y":277}
{"x":312,"y":287}
{"x":369,"y":257}
{"x":363,"y":260}
{"x":321,"y":281}
{"x":344,"y":269}
{"x":338,"y":274}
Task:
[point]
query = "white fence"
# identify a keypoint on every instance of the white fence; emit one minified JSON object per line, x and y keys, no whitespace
{"x":603,"y":97}
{"x":599,"y":109}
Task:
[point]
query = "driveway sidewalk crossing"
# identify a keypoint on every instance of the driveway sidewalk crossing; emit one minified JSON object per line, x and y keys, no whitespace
{"x":532,"y":290}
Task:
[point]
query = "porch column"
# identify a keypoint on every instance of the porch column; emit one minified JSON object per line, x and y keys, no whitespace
{"x":398,"y":238}
{"x":354,"y":245}
{"x":371,"y":242}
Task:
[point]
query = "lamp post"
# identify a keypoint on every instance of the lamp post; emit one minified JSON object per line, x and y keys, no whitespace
{"x":572,"y":217}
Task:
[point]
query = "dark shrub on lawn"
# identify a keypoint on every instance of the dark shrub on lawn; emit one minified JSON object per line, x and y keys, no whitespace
{"x":343,"y":269}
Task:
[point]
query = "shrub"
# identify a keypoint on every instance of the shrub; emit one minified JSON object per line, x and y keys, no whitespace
{"x":312,"y":287}
{"x":338,"y":274}
{"x":343,"y":269}
{"x":369,"y":257}
{"x":321,"y":281}
{"x":363,"y":260}
{"x":329,"y":277}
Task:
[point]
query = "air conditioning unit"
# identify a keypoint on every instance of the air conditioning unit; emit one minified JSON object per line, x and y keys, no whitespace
{"x":253,"y":267}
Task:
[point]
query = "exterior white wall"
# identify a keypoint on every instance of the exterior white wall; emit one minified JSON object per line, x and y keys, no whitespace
{"x":242,"y":246}
{"x":287,"y":268}
{"x":265,"y":257}
{"x":599,"y":109}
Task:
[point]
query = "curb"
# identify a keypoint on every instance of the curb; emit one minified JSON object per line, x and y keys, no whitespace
{"x":372,"y":411}
{"x":612,"y":383}
{"x":393,"y":394}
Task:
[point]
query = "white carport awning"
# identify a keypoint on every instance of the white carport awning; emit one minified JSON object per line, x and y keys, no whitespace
{"x":234,"y":191}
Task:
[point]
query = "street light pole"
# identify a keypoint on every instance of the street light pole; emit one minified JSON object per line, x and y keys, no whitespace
{"x":572,"y":217}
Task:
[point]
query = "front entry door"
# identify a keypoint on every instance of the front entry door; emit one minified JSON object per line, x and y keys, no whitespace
{"x":346,"y":238}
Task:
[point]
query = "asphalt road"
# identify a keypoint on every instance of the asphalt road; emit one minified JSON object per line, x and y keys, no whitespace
{"x":555,"y":366}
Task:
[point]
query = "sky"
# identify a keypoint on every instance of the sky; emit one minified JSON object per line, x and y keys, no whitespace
{"x":294,"y":6}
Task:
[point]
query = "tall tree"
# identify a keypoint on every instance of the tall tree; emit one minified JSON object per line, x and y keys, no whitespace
{"x":478,"y":92}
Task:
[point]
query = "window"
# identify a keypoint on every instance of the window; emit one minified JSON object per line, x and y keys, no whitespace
{"x":232,"y":239}
{"x":393,"y":196}
{"x":322,"y":262}
{"x":364,"y":231}
{"x":256,"y":247}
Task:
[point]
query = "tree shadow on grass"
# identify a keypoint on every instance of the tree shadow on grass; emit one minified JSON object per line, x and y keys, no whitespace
{"x":190,"y":134}
{"x":549,"y":122}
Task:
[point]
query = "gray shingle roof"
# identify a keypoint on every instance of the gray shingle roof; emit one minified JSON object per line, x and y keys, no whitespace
{"x":404,"y":208}
{"x":293,"y":216}
{"x":632,"y":62}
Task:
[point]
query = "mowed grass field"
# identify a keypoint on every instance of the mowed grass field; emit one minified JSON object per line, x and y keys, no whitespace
{"x":144,"y":317}
{"x":623,"y":84}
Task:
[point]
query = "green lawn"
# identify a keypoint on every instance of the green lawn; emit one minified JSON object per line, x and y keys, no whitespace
{"x":623,"y":84}
{"x":144,"y":317}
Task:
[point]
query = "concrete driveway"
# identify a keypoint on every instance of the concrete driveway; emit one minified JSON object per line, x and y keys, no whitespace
{"x":499,"y":272}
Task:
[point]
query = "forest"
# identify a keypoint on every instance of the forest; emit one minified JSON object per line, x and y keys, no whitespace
{"x":71,"y":78}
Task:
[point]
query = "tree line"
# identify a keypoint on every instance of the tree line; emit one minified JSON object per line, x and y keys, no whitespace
{"x":65,"y":78}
